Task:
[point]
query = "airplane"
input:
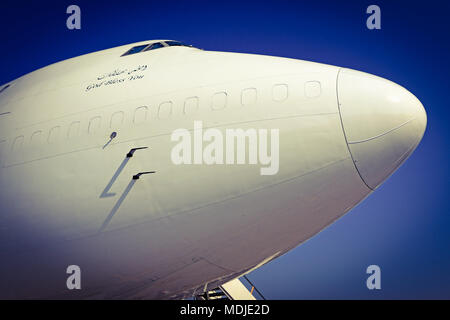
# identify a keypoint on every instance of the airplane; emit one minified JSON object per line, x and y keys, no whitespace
{"x":88,"y":177}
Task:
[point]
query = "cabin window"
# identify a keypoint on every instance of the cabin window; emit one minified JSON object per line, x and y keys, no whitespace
{"x":116,"y":120}
{"x":313,"y":89}
{"x":191,"y":105}
{"x":18,"y":142}
{"x":165,"y":110}
{"x":94,"y":125}
{"x":73,"y":129}
{"x":248,"y":96}
{"x":280,"y":92}
{"x":140,"y":115}
{"x":53,"y":134}
{"x":219,"y":101}
{"x":36,"y":137}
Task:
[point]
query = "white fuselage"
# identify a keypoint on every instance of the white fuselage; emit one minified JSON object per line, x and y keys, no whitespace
{"x":68,"y":197}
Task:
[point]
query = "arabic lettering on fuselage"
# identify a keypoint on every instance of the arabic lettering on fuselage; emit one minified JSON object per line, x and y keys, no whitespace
{"x":119,"y":72}
{"x":118,"y":76}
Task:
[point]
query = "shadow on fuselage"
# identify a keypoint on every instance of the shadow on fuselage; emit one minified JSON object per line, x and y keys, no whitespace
{"x":105,"y":192}
{"x":117,"y":205}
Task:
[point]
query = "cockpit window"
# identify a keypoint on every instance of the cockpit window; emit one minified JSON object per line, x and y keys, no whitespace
{"x":174,"y":43}
{"x":135,"y":50}
{"x":155,"y":45}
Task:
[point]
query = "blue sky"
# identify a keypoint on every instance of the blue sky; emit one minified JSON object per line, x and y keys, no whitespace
{"x":404,"y":227}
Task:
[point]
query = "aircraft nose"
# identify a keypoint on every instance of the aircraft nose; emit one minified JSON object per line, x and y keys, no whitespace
{"x":382,"y":121}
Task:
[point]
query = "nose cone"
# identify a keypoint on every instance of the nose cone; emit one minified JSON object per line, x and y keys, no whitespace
{"x":383,"y":123}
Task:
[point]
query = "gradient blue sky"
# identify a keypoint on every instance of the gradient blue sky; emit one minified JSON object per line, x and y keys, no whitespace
{"x":404,"y":227}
